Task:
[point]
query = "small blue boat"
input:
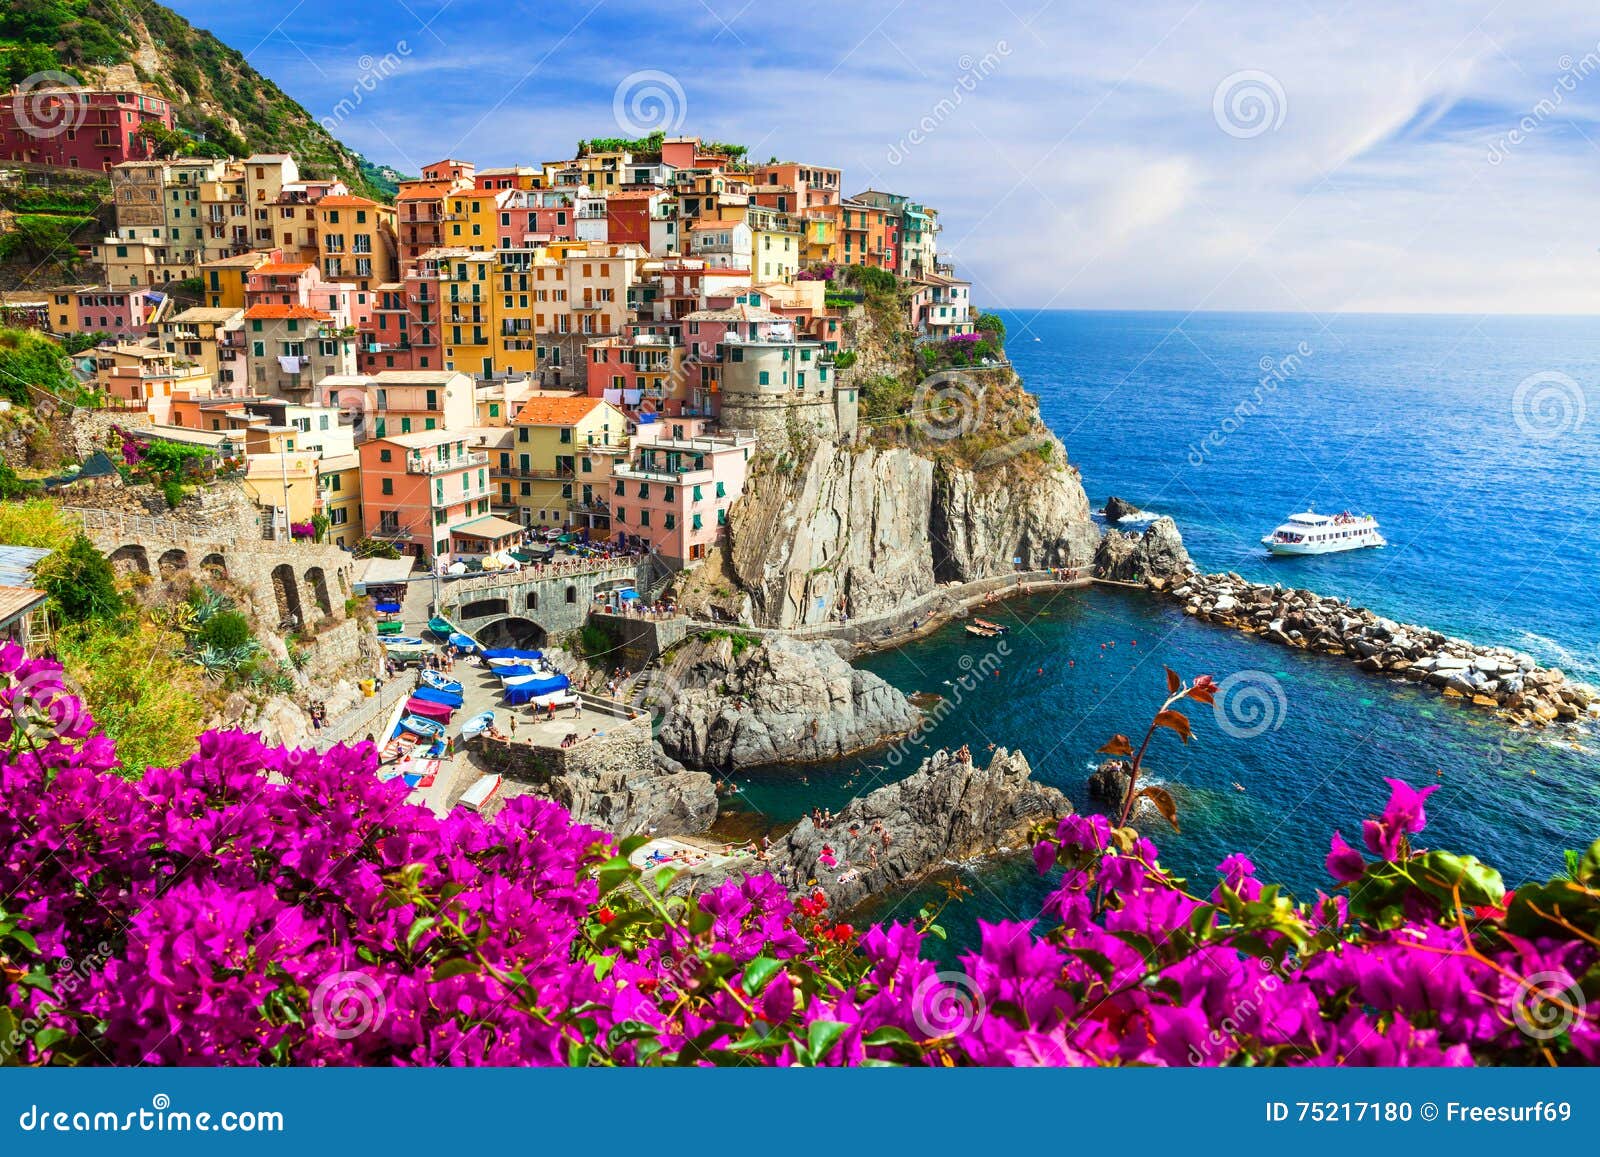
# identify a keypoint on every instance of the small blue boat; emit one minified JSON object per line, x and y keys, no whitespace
{"x":477,"y":725}
{"x":426,"y":728}
{"x":463,"y":642}
{"x":432,"y":678}
{"x":404,"y":641}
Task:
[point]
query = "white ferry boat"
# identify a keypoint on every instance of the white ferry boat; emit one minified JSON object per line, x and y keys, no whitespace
{"x":1312,"y":533}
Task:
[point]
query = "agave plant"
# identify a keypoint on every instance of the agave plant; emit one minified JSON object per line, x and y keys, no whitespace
{"x":205,"y":602}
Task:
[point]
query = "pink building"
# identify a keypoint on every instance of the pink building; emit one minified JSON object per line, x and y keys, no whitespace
{"x":124,"y":312}
{"x":675,"y":493}
{"x":78,"y":128}
{"x":418,"y":492}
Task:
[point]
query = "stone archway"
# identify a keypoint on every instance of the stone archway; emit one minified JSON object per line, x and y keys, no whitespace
{"x":286,"y":589}
{"x":215,"y":563}
{"x":130,"y":559}
{"x":512,"y":631}
{"x":485,"y":607}
{"x":173,"y":561}
{"x":318,"y":582}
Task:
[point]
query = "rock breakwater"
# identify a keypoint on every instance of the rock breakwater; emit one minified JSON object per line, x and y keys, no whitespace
{"x":1496,"y":678}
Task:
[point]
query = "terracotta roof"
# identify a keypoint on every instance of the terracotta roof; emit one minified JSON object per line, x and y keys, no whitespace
{"x":425,"y":191}
{"x":286,"y":311}
{"x":556,"y":411}
{"x":282,"y":268}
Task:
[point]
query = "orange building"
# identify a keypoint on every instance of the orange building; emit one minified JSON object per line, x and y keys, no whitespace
{"x":418,"y":490}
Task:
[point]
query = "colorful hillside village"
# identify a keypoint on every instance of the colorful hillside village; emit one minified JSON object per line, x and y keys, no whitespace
{"x":597,"y":346}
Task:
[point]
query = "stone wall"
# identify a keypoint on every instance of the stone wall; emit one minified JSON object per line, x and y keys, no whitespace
{"x":640,"y":640}
{"x":557,"y":603}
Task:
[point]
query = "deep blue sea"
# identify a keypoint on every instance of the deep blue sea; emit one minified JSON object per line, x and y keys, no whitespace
{"x":1475,"y":441}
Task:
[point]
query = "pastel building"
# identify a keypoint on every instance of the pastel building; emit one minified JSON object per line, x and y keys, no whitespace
{"x":121,"y":312}
{"x":564,"y":446}
{"x":418,"y":489}
{"x":941,"y":306}
{"x":107,"y":126}
{"x":401,"y":401}
{"x":673,"y":495}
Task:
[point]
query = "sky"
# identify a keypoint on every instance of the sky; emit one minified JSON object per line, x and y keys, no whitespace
{"x":1214,"y":155}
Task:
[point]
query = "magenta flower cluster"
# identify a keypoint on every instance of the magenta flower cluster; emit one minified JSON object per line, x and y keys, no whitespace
{"x":262,"y":905}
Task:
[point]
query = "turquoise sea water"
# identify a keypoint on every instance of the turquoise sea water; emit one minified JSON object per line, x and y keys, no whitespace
{"x":1491,"y":520}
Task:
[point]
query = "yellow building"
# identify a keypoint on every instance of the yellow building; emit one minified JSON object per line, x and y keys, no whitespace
{"x":224,"y":279}
{"x":285,"y":484}
{"x":356,"y":241}
{"x":466,"y":308}
{"x":562,"y":445}
{"x":339,"y":480}
{"x":471,"y":218}
{"x":194,"y":335}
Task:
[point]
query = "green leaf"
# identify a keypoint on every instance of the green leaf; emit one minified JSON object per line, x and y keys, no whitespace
{"x":418,"y":927}
{"x":25,"y":939}
{"x":887,"y":1035}
{"x":758,"y":972}
{"x":822,"y":1035}
{"x":459,"y":966}
{"x":45,"y":1038}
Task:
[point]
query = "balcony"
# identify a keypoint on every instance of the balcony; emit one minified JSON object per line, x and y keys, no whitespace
{"x":560,"y":474}
{"x":417,"y":464}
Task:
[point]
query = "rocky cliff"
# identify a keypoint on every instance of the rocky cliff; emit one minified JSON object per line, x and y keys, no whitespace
{"x":1155,"y":557}
{"x":865,"y":528}
{"x":949,"y":810}
{"x":784,"y":701}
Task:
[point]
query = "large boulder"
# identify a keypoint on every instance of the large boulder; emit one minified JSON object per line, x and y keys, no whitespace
{"x":1158,"y":554}
{"x":950,"y":809}
{"x":784,"y":701}
{"x":1117,"y":509}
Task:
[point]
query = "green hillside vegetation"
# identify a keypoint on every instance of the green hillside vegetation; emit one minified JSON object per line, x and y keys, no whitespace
{"x":223,"y":105}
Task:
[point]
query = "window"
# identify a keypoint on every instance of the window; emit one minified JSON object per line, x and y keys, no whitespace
{"x":619,"y":492}
{"x":695,"y":524}
{"x":388,"y":486}
{"x":644,"y":518}
{"x":385,"y":455}
{"x":671,"y":521}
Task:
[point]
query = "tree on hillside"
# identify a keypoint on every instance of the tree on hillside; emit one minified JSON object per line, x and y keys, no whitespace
{"x":81,"y":584}
{"x":31,"y":359}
